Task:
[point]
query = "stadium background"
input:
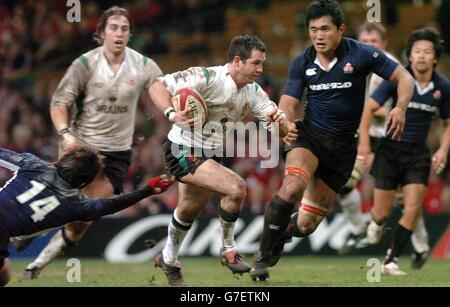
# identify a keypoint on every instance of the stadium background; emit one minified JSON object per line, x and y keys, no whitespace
{"x":37,"y":44}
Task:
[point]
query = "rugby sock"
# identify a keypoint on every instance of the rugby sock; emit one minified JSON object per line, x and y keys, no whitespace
{"x":177,"y":230}
{"x":419,"y":237}
{"x":350,"y":204}
{"x":276,"y":219}
{"x":55,"y":248}
{"x":227,"y":223}
{"x":292,"y":230}
{"x":401,"y":237}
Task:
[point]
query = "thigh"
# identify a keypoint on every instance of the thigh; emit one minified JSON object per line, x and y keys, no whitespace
{"x":383,"y":199}
{"x":303,"y":158}
{"x":214,"y":177}
{"x":320,"y":193}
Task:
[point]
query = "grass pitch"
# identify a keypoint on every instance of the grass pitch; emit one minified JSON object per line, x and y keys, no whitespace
{"x":207,"y":271}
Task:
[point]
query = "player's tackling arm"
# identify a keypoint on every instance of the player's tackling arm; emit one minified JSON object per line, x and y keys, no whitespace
{"x":97,"y":208}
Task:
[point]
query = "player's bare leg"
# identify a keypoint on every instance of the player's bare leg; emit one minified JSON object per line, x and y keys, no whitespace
{"x":194,"y":194}
{"x":191,"y":200}
{"x":300,"y":163}
{"x":70,"y":234}
{"x":381,"y":211}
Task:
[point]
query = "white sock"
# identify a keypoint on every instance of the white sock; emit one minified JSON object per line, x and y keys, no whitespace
{"x":54,"y":249}
{"x":227,"y":234}
{"x":175,"y":237}
{"x":350,"y":205}
{"x":419,"y":237}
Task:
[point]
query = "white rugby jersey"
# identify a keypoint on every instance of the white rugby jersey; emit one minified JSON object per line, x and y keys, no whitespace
{"x":225,"y":104}
{"x":378,"y":127}
{"x":104,"y":103}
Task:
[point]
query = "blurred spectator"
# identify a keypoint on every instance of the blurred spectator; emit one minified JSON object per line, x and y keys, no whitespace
{"x":444,"y":23}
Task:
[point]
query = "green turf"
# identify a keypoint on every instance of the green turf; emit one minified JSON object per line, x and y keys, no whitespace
{"x":291,"y":272}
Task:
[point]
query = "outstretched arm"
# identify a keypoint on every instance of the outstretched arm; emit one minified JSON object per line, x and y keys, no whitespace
{"x":100,"y":207}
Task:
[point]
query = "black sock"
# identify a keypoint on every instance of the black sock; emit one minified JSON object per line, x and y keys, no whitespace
{"x":401,"y":237}
{"x":292,"y":229}
{"x":276,"y":219}
{"x":228,"y":216}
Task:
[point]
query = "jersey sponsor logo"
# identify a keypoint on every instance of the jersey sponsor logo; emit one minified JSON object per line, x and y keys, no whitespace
{"x":437,"y":95}
{"x":348,"y":68}
{"x":311,"y":72}
{"x":330,"y":86}
{"x":112,"y":109}
{"x":422,"y":107}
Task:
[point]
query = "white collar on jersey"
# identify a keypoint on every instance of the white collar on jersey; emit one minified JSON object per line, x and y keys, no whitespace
{"x":423,"y":91}
{"x":330,"y":66}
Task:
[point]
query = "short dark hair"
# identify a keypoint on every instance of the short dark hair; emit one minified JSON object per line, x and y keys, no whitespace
{"x":79,"y":166}
{"x":242,"y":46}
{"x":428,"y":34}
{"x":322,"y":8}
{"x":112,"y":11}
{"x":373,"y":26}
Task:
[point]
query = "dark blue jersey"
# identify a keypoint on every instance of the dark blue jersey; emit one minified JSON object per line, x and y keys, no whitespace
{"x":335,"y":98}
{"x":37,"y":198}
{"x":425,"y":103}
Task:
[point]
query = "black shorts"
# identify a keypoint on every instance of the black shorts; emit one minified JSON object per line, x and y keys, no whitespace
{"x":116,"y":167}
{"x":400,"y":163}
{"x":4,"y":241}
{"x":336,"y":154}
{"x":375,"y":143}
{"x":181,"y":160}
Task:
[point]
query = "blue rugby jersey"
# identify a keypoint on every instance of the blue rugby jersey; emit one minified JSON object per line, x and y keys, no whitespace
{"x":335,"y":98}
{"x":36,"y":198}
{"x":425,"y":103}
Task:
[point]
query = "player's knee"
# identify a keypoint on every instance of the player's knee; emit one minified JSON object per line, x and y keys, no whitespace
{"x":307,"y":227}
{"x":238,"y":191}
{"x":293,"y":188}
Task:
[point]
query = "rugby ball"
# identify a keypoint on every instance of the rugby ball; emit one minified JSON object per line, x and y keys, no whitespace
{"x":189,"y":98}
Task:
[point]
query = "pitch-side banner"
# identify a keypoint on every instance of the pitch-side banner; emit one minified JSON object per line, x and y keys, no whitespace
{"x":123,"y":240}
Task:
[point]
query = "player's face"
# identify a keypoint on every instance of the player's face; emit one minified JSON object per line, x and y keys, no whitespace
{"x":324,"y":34}
{"x":116,"y":34}
{"x":372,"y":38}
{"x":422,"y":56}
{"x":251,"y":68}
